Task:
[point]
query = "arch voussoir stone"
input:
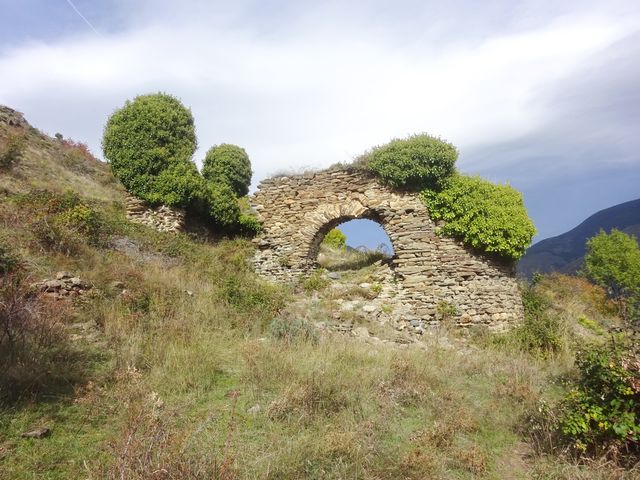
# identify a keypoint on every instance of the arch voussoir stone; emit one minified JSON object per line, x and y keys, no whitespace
{"x":433,"y":271}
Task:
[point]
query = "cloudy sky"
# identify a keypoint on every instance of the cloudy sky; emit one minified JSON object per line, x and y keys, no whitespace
{"x":544,"y":95}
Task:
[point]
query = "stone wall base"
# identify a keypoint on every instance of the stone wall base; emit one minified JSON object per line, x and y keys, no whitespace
{"x":162,"y":218}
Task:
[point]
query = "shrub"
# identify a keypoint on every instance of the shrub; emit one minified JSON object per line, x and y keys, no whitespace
{"x":228,"y":164}
{"x":222,"y":204}
{"x":316,"y":281}
{"x":179,"y":185}
{"x":248,"y":225}
{"x":603,"y":410}
{"x":34,"y":349}
{"x":335,"y":239}
{"x":12,"y":151}
{"x":292,"y":330}
{"x":146,"y":137}
{"x":87,"y":222}
{"x":417,"y":162}
{"x":483,"y":215}
{"x":543,"y":333}
{"x":9,"y":261}
{"x":64,"y":223}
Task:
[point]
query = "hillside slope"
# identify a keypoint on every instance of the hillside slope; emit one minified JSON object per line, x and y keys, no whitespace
{"x":53,"y":164}
{"x":151,"y":355}
{"x":564,"y":253}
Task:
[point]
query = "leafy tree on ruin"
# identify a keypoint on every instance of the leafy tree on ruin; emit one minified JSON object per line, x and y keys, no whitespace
{"x":413,"y":163}
{"x":149,"y":143}
{"x":228,"y":164}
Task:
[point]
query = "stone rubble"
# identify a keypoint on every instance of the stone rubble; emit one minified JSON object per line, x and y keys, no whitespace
{"x":65,"y":285}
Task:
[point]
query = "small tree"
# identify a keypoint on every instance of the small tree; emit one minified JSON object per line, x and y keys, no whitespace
{"x":335,"y":239}
{"x":149,"y":143}
{"x":228,"y":164}
{"x":613,"y":262}
{"x":417,"y":162}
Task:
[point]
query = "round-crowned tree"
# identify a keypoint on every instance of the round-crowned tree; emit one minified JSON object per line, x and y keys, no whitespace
{"x":149,"y":143}
{"x":228,"y":164}
{"x":414,"y":163}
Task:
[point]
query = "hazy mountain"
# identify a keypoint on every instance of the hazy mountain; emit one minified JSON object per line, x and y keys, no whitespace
{"x":565,"y":252}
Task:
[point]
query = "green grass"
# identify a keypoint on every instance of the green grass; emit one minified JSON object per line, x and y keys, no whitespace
{"x":193,"y":383}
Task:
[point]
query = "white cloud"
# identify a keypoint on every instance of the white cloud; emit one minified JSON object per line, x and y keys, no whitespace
{"x":311,"y":94}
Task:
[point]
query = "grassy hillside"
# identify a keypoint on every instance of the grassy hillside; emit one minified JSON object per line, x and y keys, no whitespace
{"x":174,"y":361}
{"x":53,"y":164}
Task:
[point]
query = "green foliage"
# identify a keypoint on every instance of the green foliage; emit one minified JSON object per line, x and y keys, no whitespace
{"x":316,"y":281}
{"x":591,"y":324}
{"x":223,"y":206}
{"x":335,"y":239}
{"x":64,"y":222}
{"x":148,"y":142}
{"x":542,"y":333}
{"x":87,"y":221}
{"x":613,"y":262}
{"x":483,"y":215}
{"x":603,"y":410}
{"x":293,"y":330}
{"x":414,"y":163}
{"x":178,"y":185}
{"x":12,"y":151}
{"x":248,"y":225}
{"x":228,"y":164}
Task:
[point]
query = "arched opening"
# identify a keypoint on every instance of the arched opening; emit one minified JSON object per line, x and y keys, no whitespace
{"x":349,"y":243}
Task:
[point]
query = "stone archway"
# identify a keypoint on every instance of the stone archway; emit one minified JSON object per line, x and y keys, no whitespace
{"x":297,"y":211}
{"x":314,"y":246}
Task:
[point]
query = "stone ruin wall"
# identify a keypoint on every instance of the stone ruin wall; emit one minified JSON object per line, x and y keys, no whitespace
{"x":162,"y":218}
{"x":297,"y":211}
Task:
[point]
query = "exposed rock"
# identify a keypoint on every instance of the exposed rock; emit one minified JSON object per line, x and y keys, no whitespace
{"x":40,"y":432}
{"x":334,"y":275}
{"x":65,"y":285}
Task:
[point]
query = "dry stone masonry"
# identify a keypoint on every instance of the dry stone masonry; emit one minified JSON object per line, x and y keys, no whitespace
{"x":438,"y":277}
{"x":162,"y":218}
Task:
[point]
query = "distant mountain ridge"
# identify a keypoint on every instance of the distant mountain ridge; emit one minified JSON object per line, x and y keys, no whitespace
{"x":564,"y":253}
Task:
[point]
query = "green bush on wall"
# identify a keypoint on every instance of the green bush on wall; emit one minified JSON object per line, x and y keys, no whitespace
{"x":417,"y":162}
{"x":483,"y":215}
{"x":228,"y":164}
{"x":223,"y":205}
{"x":149,"y":143}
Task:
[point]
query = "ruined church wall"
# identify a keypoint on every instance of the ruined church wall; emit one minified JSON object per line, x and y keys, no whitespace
{"x":432,"y":270}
